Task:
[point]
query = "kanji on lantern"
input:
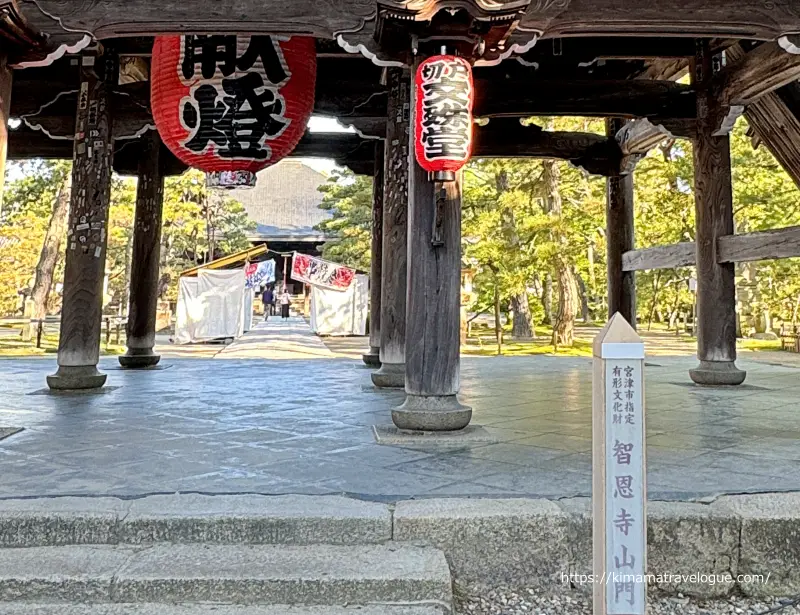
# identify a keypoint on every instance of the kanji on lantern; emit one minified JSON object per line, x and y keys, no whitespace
{"x":232,"y":105}
{"x":443,"y":114}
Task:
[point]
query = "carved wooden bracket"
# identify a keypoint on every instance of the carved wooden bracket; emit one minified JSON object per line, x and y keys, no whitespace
{"x":637,"y":138}
{"x":486,"y":31}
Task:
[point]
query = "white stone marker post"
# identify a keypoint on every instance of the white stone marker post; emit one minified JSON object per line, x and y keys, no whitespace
{"x":619,"y":490}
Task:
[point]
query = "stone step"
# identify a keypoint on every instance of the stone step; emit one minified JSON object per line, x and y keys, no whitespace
{"x":231,"y":574}
{"x":193,"y":518}
{"x":11,"y":608}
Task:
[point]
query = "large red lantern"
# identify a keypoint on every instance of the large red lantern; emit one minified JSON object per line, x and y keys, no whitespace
{"x":232,"y":105}
{"x":443,"y":115}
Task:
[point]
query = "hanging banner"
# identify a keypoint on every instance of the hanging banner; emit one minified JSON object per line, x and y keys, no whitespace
{"x":318,"y":272}
{"x":259,"y":274}
{"x":443,"y":113}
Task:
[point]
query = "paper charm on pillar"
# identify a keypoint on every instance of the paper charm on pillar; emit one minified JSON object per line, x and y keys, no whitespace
{"x":443,"y":115}
{"x":232,"y":105}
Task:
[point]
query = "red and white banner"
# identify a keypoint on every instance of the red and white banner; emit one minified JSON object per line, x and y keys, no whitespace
{"x":318,"y":272}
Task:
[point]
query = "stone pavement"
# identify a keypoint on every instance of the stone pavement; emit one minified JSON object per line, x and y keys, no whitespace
{"x":305,"y":426}
{"x":277,"y":339}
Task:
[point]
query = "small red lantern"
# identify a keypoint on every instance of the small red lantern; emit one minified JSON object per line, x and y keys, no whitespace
{"x":443,"y":115}
{"x":232,"y":105}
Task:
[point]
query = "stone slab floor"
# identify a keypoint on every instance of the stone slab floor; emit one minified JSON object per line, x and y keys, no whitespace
{"x":304,"y":425}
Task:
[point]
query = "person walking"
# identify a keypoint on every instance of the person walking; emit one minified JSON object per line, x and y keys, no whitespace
{"x":285,"y":300}
{"x":268,"y":298}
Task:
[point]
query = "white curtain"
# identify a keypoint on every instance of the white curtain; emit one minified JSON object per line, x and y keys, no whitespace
{"x":211,"y":306}
{"x":340,"y":313}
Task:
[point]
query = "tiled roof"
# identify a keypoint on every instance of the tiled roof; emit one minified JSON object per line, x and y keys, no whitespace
{"x":285,"y":202}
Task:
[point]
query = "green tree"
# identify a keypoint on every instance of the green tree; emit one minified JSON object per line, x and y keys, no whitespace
{"x":349,"y":199}
{"x":29,"y":205}
{"x":199,"y":225}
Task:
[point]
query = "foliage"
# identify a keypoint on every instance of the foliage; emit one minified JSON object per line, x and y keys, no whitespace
{"x":196,"y":221}
{"x":349,"y":199}
{"x":27,"y":204}
{"x":515,"y":235}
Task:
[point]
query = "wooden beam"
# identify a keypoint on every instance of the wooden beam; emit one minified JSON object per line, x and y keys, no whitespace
{"x":777,"y":127}
{"x":698,"y":18}
{"x":6,"y":78}
{"x":392,"y":373}
{"x":371,"y":358}
{"x":660,"y":257}
{"x":713,"y":194}
{"x":758,"y":246}
{"x":140,"y":331}
{"x":620,"y":237}
{"x":756,"y":73}
{"x":634,"y":98}
{"x":87,"y":232}
{"x":666,"y":69}
{"x":507,"y":138}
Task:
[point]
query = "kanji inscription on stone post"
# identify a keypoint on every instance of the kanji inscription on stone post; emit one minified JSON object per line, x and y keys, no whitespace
{"x":619,"y":492}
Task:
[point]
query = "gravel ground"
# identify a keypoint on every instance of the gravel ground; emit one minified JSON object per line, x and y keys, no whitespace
{"x":475,"y":601}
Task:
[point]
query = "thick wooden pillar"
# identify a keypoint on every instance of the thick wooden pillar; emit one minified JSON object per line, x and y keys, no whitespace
{"x":716,"y":289}
{"x":87,"y":230}
{"x":392,"y":373}
{"x":619,"y":238}
{"x":6,"y":79}
{"x":433,"y":328}
{"x":141,"y":328}
{"x":372,"y":357}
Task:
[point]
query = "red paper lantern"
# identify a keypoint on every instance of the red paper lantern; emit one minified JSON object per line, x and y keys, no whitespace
{"x":232,"y":105}
{"x":443,"y":115}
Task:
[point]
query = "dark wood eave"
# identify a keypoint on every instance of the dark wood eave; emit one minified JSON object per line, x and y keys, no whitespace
{"x":18,"y":38}
{"x":67,"y":21}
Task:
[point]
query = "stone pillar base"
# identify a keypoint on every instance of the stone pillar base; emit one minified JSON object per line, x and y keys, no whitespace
{"x":372,"y":358}
{"x":139,"y":358}
{"x":715,"y":373}
{"x":432,"y":413}
{"x":76,"y":378}
{"x":390,"y":376}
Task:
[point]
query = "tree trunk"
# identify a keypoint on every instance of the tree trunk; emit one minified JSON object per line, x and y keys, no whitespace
{"x":50,"y":250}
{"x":592,"y":277}
{"x":498,"y":327}
{"x":656,"y":289}
{"x":564,"y":327}
{"x":673,"y":315}
{"x":547,"y":299}
{"x":582,"y":292}
{"x":523,"y":321}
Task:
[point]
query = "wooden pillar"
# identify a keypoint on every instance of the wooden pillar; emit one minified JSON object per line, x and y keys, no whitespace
{"x":716,"y":289}
{"x":87,"y":230}
{"x":6,"y":79}
{"x":619,"y":238}
{"x":392,"y":373}
{"x":433,"y":308}
{"x":141,"y":327}
{"x":372,"y":357}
